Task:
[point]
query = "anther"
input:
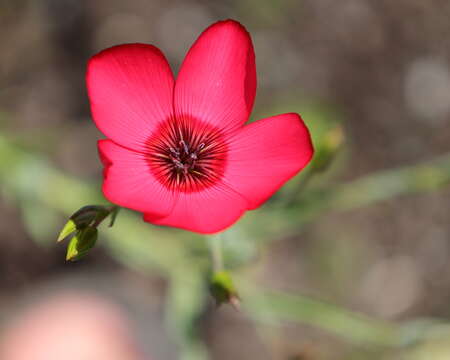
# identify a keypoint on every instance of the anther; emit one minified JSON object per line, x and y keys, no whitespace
{"x":178,"y":164}
{"x":174,"y":151}
{"x":185,"y":147}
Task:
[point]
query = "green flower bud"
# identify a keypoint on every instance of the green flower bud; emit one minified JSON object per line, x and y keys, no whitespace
{"x":329,"y":146}
{"x":81,"y":243}
{"x":222,"y":289}
{"x":81,"y":229}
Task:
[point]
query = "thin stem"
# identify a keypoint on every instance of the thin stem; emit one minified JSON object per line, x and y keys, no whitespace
{"x":216,"y":251}
{"x":112,"y":211}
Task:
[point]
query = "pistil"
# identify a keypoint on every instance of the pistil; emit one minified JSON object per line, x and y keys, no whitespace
{"x":187,"y":158}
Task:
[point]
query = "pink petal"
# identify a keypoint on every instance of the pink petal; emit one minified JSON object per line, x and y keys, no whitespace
{"x":217,"y":80}
{"x":129,"y":182}
{"x":265,"y":154}
{"x":208,"y":211}
{"x":130,"y":88}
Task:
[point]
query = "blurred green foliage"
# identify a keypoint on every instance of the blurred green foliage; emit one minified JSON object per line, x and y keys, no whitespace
{"x":44,"y":192}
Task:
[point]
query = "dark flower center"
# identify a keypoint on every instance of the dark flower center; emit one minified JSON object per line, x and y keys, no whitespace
{"x":187,"y":155}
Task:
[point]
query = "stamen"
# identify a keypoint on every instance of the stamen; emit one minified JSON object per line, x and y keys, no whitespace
{"x":200,"y":147}
{"x":187,"y":157}
{"x":162,"y":156}
{"x":178,"y":163}
{"x":185,"y":147}
{"x":206,"y":147}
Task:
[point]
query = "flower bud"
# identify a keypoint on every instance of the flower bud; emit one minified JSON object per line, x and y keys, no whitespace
{"x":81,"y":229}
{"x":81,"y":243}
{"x":330,"y":144}
{"x":222,"y":289}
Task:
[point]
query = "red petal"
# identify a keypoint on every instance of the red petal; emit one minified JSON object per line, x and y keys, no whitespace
{"x":208,"y":211}
{"x":129,"y":182}
{"x":217,"y":80}
{"x":130,"y":88}
{"x":265,"y":154}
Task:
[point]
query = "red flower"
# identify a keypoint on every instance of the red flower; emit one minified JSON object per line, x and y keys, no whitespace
{"x":178,"y":151}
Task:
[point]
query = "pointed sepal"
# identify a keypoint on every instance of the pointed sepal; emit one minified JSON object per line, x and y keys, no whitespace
{"x":68,"y":230}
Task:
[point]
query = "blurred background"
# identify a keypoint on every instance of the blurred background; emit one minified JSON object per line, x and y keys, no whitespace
{"x":348,"y":261}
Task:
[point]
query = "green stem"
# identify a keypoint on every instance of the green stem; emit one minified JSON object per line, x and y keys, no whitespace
{"x":216,"y":251}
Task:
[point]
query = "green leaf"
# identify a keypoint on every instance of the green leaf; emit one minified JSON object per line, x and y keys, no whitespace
{"x":81,"y":243}
{"x":67,"y":230}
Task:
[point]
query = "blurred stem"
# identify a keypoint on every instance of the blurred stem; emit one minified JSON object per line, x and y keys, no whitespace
{"x":275,"y":307}
{"x":216,"y":251}
{"x":424,"y":177}
{"x":185,"y":303}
